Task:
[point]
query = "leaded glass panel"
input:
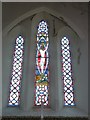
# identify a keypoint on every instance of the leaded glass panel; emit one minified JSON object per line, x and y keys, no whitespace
{"x":15,"y":84}
{"x":42,"y":65}
{"x":67,"y":72}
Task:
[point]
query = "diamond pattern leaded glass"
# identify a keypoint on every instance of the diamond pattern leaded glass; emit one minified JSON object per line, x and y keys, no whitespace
{"x":67,"y":72}
{"x":42,"y":60}
{"x":14,"y":97}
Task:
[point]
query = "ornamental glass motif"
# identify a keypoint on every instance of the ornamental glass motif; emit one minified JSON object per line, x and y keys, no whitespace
{"x":67,"y":72}
{"x":42,"y":65}
{"x":15,"y":84}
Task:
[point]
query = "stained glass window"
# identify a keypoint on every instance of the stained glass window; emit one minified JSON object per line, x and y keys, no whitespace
{"x":67,"y":72}
{"x":15,"y":84}
{"x":42,"y":65}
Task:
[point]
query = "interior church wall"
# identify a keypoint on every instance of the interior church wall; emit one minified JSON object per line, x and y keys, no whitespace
{"x":28,"y":29}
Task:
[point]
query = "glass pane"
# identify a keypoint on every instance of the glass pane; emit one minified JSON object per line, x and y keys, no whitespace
{"x":42,"y":64}
{"x":67,"y":72}
{"x":15,"y":84}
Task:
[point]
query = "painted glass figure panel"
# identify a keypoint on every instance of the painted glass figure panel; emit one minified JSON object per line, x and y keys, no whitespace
{"x":15,"y":84}
{"x":67,"y":72}
{"x":42,"y":65}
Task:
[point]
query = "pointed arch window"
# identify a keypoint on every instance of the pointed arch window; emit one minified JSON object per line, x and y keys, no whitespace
{"x":42,"y":65}
{"x":67,"y":72}
{"x":15,"y":83}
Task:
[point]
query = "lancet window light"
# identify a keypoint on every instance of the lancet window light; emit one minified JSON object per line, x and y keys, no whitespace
{"x":67,"y":72}
{"x":15,"y":83}
{"x":42,"y":65}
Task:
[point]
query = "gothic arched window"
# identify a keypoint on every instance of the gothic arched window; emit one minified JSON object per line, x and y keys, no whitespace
{"x":42,"y":67}
{"x":67,"y":72}
{"x":15,"y":83}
